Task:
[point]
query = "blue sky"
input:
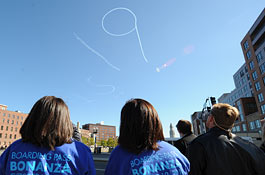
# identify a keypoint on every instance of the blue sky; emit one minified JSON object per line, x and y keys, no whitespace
{"x":177,"y":54}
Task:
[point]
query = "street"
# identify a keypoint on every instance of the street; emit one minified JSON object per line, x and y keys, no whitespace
{"x":100,"y":161}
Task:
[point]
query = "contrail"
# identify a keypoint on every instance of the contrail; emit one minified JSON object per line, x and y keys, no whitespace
{"x":95,"y":52}
{"x":126,"y":33}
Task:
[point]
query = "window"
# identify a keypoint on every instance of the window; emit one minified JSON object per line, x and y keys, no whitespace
{"x":251,"y":65}
{"x":254,"y":75}
{"x":11,"y":128}
{"x":17,"y":117}
{"x":248,"y":54}
{"x":15,"y":136}
{"x":4,"y":114}
{"x":5,"y":136}
{"x":248,"y":76}
{"x":262,"y":68}
{"x":246,"y":45}
{"x":8,"y":115}
{"x":252,"y":125}
{"x":244,"y":127}
{"x":0,"y":135}
{"x":260,"y":97}
{"x":259,"y":57}
{"x":257,"y":122}
{"x":233,"y":129}
{"x":3,"y":120}
{"x":16,"y":128}
{"x":12,"y":122}
{"x":10,"y":136}
{"x":21,"y":117}
{"x":2,"y":127}
{"x":257,"y":85}
{"x":7,"y":120}
{"x":242,"y":73}
{"x":6,"y":128}
{"x":237,"y":128}
{"x":262,"y":107}
{"x":13,"y":116}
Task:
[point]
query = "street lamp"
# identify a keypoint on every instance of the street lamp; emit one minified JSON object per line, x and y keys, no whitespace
{"x":95,"y":131}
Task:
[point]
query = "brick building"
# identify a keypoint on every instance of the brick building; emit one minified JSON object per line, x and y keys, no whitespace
{"x":10,"y":124}
{"x":253,"y":46}
{"x":103,"y":131}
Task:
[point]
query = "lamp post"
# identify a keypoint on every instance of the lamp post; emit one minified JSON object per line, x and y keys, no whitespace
{"x":95,"y":131}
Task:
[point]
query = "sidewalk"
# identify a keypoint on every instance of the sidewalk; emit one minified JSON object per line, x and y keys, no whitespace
{"x":103,"y":157}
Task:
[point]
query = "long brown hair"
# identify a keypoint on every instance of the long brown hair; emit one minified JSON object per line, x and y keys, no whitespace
{"x":140,"y":127}
{"x":48,"y":123}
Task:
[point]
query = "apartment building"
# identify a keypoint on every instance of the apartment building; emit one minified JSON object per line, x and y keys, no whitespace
{"x":103,"y":131}
{"x":253,"y":47}
{"x":10,"y":124}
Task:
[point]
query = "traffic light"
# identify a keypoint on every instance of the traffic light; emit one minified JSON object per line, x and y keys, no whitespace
{"x":213,"y":101}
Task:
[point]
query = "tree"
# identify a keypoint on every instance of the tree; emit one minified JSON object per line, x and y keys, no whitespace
{"x":111,"y":142}
{"x":103,"y":143}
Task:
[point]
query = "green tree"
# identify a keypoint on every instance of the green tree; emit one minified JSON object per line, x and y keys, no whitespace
{"x":103,"y":143}
{"x":111,"y":142}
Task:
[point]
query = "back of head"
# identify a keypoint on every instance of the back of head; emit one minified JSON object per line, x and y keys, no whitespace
{"x":48,"y":123}
{"x":224,"y":115}
{"x":140,"y":127}
{"x":184,"y":126}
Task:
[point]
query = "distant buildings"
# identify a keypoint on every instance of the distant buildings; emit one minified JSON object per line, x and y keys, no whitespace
{"x":248,"y":96}
{"x":10,"y":124}
{"x":103,"y":131}
{"x":171,"y":131}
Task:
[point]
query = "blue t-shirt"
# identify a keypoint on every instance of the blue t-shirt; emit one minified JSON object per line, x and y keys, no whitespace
{"x":166,"y":161}
{"x":22,"y":158}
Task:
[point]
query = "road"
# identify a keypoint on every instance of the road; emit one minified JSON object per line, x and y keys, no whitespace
{"x":100,"y":161}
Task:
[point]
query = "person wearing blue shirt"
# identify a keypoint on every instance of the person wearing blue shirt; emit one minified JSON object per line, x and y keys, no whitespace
{"x":47,"y":146}
{"x":141,"y":148}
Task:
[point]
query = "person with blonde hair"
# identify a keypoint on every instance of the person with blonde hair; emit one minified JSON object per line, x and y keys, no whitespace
{"x":220,"y":152}
{"x":46,"y":146}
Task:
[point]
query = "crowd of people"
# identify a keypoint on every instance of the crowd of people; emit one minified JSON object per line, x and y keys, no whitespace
{"x":49,"y":145}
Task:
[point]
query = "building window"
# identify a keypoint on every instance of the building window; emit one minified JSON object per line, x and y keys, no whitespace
{"x":248,"y":54}
{"x":11,"y":128}
{"x":257,"y":85}
{"x":3,"y":120}
{"x":246,"y":45}
{"x":13,"y":116}
{"x":259,"y":57}
{"x":254,"y":75}
{"x":241,"y":73}
{"x":21,"y":117}
{"x":17,"y":117}
{"x":12,"y":122}
{"x":257,"y":122}
{"x":244,"y":127}
{"x":252,"y":125}
{"x":4,"y":114}
{"x":251,"y":65}
{"x":233,"y":129}
{"x":0,"y":135}
{"x":8,"y":115}
{"x":262,"y":107}
{"x":262,"y":68}
{"x":10,"y":136}
{"x":16,"y":128}
{"x":15,"y":136}
{"x":238,"y":128}
{"x":5,"y":136}
{"x":2,"y":127}
{"x":260,"y":97}
{"x":6,"y":128}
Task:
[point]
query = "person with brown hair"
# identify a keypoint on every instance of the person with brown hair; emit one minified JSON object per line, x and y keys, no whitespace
{"x":141,"y":148}
{"x":220,"y":152}
{"x":185,"y":132}
{"x":47,"y":146}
